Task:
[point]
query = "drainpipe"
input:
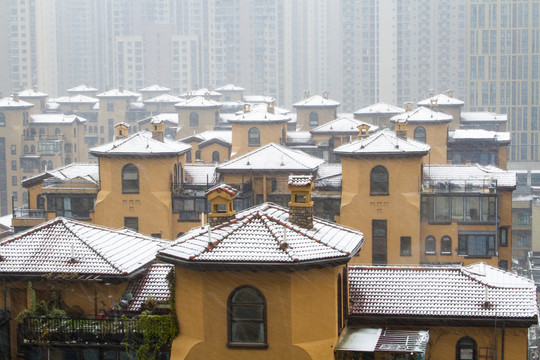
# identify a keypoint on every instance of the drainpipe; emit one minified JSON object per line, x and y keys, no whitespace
{"x":502,"y":341}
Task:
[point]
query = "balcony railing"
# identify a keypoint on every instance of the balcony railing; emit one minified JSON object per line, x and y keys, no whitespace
{"x":69,"y":330}
{"x":459,"y":186}
{"x":27,"y":213}
{"x":73,"y":184}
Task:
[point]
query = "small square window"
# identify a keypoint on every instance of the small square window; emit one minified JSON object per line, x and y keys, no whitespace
{"x":405,"y":245}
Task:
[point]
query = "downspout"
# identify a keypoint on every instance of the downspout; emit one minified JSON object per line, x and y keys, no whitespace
{"x":502,"y":341}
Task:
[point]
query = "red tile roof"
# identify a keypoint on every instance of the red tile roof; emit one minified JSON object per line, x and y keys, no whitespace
{"x":153,"y":284}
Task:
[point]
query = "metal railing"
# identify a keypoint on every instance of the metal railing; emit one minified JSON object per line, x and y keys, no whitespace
{"x":73,"y":184}
{"x":27,"y":213}
{"x":460,"y":186}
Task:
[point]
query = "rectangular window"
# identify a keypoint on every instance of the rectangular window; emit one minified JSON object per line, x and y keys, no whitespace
{"x":405,"y":245}
{"x":13,"y":164}
{"x":14,"y":180}
{"x":379,"y":242}
{"x":131,"y":223}
{"x":503,"y":236}
{"x":13,"y":149}
{"x":476,"y":244}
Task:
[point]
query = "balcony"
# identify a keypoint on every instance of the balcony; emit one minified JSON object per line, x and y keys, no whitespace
{"x":72,"y":185}
{"x":26,"y":213}
{"x":488,"y":186}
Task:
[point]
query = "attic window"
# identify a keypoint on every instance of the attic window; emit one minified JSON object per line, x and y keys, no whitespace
{"x":220,"y":208}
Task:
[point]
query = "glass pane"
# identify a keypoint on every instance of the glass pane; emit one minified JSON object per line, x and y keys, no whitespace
{"x":442,"y":209}
{"x":457,"y":208}
{"x":473,"y":208}
{"x":247,"y":312}
{"x":247,"y":295}
{"x":246,"y":331}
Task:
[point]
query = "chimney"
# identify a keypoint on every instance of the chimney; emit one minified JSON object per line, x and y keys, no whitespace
{"x":433,"y":103}
{"x":306,"y":94}
{"x":401,"y":129}
{"x":207,"y":95}
{"x":35,"y":87}
{"x":121,"y":88}
{"x":221,"y":204}
{"x":301,"y":205}
{"x":157,"y":130}
{"x":247,"y":108}
{"x":325,"y":94}
{"x":409,"y":106}
{"x":121,"y":130}
{"x":16,"y":96}
{"x":431,"y":92}
{"x":363,"y":131}
{"x":450,"y":93}
{"x":270,"y":107}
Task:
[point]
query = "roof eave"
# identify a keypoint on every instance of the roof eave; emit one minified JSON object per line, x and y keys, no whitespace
{"x":423,"y":320}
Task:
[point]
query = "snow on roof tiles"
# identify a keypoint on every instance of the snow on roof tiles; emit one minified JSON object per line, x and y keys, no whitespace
{"x":300,"y":180}
{"x":230,"y":87}
{"x":272,"y":157}
{"x":141,"y":143}
{"x":316,"y":101}
{"x":441,"y":291}
{"x":198,"y":102}
{"x":379,"y":108}
{"x":483,"y":117}
{"x":120,"y":93}
{"x":259,"y":113}
{"x":329,"y":175}
{"x":422,"y":115}
{"x":255,"y":99}
{"x":82,"y":88}
{"x":164,"y":98}
{"x":97,"y":250}
{"x":155,"y":87}
{"x":256,"y":236}
{"x":76,"y":99}
{"x":153,"y":284}
{"x":55,"y":119}
{"x":31,"y":93}
{"x":471,"y":173}
{"x":342,"y":125}
{"x":9,"y":102}
{"x":442,"y":100}
{"x":200,"y":174}
{"x":201,"y":93}
{"x":171,"y":118}
{"x":89,"y":172}
{"x":478,"y":134}
{"x":384,"y":142}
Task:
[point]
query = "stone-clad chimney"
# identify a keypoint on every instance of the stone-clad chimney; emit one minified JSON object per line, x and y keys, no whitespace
{"x":157,"y":130}
{"x":401,"y":129}
{"x":301,"y":205}
{"x":221,"y":204}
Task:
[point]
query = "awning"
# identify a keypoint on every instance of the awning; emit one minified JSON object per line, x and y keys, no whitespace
{"x":383,"y":340}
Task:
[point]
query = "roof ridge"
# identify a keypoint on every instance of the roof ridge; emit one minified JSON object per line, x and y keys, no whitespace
{"x":283,"y":244}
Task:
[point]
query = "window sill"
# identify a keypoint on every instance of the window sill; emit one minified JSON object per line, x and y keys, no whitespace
{"x":446,"y":253}
{"x":439,"y":222}
{"x":130,"y":192}
{"x":381,"y":194}
{"x":254,"y":346}
{"x":478,"y":256}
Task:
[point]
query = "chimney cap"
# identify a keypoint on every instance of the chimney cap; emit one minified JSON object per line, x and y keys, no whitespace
{"x":222,"y":187}
{"x":300,"y":180}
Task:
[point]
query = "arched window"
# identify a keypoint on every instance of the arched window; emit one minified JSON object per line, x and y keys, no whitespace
{"x":466,"y":349}
{"x":194,"y":119}
{"x":2,"y":119}
{"x":130,"y":179}
{"x":26,"y":149}
{"x":378,"y":180}
{"x":246,"y":310}
{"x":313,"y":118}
{"x":197,"y":155}
{"x":57,"y":131}
{"x":431,"y":245}
{"x":49,"y":165}
{"x":254,"y":137}
{"x":215,"y":156}
{"x":110,"y":105}
{"x":420,"y":134}
{"x":446,"y":245}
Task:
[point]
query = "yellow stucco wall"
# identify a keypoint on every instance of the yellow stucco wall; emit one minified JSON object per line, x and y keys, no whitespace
{"x":436,"y":137}
{"x":401,"y":208}
{"x":296,"y":326}
{"x":269,"y":133}
{"x":302,"y":117}
{"x":207,"y":121}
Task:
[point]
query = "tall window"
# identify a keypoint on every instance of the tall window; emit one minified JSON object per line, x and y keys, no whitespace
{"x":194,"y":119}
{"x":110,"y":105}
{"x":378,"y":180}
{"x":2,"y":119}
{"x":420,"y":134}
{"x":188,"y":157}
{"x":446,"y":245}
{"x":130,"y":179}
{"x":313,"y":118}
{"x":247,"y":318}
{"x":405,"y":246}
{"x":215,"y":156}
{"x":254,"y":137}
{"x":431,"y":245}
{"x":339,"y":304}
{"x":466,"y":349}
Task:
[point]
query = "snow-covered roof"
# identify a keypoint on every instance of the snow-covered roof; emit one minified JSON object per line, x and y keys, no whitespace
{"x":119,"y":93}
{"x":470,"y":173}
{"x":230,"y":87}
{"x":171,"y":118}
{"x":200,"y":174}
{"x":198,"y":102}
{"x":89,"y":172}
{"x":10,"y":103}
{"x":296,"y":138}
{"x":222,"y":187}
{"x":422,"y":115}
{"x":153,"y":283}
{"x":5,"y":221}
{"x":442,"y":100}
{"x":316,"y":101}
{"x":154,"y":88}
{"x":384,"y":142}
{"x":342,"y":126}
{"x":64,"y":246}
{"x":55,"y":119}
{"x":32,"y":93}
{"x":483,"y":116}
{"x":82,"y":88}
{"x":476,"y":291}
{"x":141,"y":143}
{"x":272,"y":157}
{"x":254,"y":99}
{"x":379,"y":108}
{"x":76,"y":99}
{"x":201,"y":92}
{"x":479,"y":134}
{"x":259,"y":114}
{"x":263,"y":236}
{"x":329,"y":175}
{"x":164,"y":98}
{"x":223,"y":135}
